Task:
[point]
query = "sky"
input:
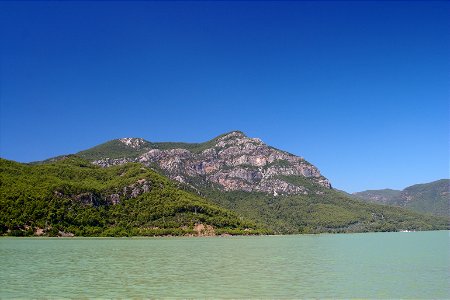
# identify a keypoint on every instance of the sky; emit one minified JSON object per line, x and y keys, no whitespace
{"x":360,"y":89}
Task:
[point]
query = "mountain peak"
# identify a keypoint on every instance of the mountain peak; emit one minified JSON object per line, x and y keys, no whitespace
{"x":232,"y":134}
{"x":230,"y":162}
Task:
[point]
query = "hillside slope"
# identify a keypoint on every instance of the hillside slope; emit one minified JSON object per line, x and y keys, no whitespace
{"x":72,"y":196}
{"x":433,"y":197}
{"x":275,"y":188}
{"x":326,"y":211}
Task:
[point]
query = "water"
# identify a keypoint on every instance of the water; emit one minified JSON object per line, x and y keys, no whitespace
{"x":370,"y":265}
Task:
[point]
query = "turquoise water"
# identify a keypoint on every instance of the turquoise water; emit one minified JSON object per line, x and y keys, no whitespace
{"x":369,"y":265}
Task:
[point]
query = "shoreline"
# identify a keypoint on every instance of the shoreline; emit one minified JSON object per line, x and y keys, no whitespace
{"x":209,"y":236}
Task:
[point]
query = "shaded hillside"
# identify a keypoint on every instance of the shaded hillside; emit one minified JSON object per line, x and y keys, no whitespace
{"x":72,"y":196}
{"x":433,"y":197}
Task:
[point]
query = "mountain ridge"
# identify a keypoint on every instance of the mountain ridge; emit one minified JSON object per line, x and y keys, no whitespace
{"x":142,"y":143}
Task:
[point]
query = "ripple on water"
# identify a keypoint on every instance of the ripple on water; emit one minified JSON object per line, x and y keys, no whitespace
{"x":386,"y":265}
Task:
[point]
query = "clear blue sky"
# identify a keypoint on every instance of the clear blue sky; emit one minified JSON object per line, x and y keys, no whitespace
{"x":360,"y":89}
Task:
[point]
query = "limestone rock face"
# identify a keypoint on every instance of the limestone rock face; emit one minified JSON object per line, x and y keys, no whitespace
{"x":92,"y":199}
{"x":232,"y":162}
{"x":134,"y":143}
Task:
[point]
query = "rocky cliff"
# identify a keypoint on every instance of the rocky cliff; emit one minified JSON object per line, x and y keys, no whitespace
{"x":230,"y":162}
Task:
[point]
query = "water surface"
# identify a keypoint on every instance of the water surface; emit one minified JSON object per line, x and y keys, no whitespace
{"x":370,"y":265}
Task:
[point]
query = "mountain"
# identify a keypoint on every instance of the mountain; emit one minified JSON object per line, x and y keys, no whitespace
{"x":70,"y":196}
{"x":231,"y":184}
{"x":433,"y":197}
{"x":230,"y":162}
{"x":281,"y":191}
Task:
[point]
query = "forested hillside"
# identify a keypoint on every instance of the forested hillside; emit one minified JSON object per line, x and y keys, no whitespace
{"x":432,"y":197}
{"x":72,"y":196}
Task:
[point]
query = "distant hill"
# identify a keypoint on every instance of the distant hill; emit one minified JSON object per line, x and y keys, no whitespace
{"x":384,"y":196}
{"x":433,"y":197}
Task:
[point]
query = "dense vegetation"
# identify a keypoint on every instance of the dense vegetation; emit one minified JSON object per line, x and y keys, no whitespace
{"x":71,"y":195}
{"x":433,"y":197}
{"x":324,"y":211}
